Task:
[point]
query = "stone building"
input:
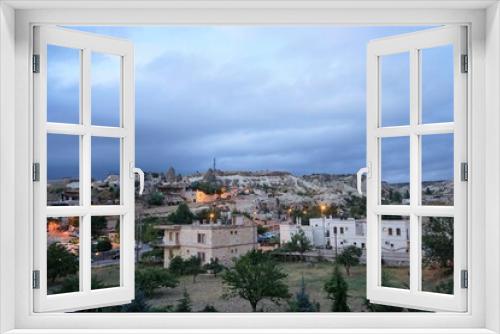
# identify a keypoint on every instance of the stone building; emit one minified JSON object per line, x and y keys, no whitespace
{"x":209,"y":241}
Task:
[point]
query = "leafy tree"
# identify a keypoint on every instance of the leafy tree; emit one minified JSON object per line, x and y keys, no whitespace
{"x":60,"y":262}
{"x":184,"y":304}
{"x":428,"y":191}
{"x":150,"y":279}
{"x":349,"y":257}
{"x":214,"y":266}
{"x":156,"y":199}
{"x":301,"y":303}
{"x":299,"y":243}
{"x":256,"y":276}
{"x":104,"y":245}
{"x":99,"y":225}
{"x":209,"y":308}
{"x":177,"y":266}
{"x":152,"y":256}
{"x":437,"y":236}
{"x":336,"y":288}
{"x":193,"y":267}
{"x":182,"y":215}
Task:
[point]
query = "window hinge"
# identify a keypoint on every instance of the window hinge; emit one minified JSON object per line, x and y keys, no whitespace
{"x":465,"y":63}
{"x":36,"y":279}
{"x":36,"y":172}
{"x":464,"y":279}
{"x":36,"y":63}
{"x":464,"y":171}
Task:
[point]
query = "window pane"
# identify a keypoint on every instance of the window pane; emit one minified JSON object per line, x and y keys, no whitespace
{"x":105,"y":171}
{"x":395,"y":251}
{"x":106,"y":89}
{"x":105,"y":232}
{"x":437,"y":84}
{"x":63,"y":84}
{"x":395,"y":170}
{"x":63,"y":247}
{"x":437,"y":169}
{"x":395,"y":89}
{"x":437,"y":254}
{"x":63,"y":170}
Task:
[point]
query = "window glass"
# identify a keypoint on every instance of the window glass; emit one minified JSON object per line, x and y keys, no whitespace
{"x":106,"y":89}
{"x":395,"y":252}
{"x":63,"y":255}
{"x":395,"y":89}
{"x":63,"y":170}
{"x":395,"y":170}
{"x":63,"y":84}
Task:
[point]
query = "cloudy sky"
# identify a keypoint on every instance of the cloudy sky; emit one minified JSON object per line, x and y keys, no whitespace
{"x":256,"y":98}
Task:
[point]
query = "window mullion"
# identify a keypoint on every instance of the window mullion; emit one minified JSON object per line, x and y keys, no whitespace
{"x":85,"y":167}
{"x":415,"y":271}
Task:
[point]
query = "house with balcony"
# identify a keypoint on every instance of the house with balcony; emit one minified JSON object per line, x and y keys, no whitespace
{"x":212,"y":240}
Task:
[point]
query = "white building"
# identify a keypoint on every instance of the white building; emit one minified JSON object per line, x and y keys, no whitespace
{"x":334,"y":233}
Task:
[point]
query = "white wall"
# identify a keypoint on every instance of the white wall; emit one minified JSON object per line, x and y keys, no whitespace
{"x":7,"y":168}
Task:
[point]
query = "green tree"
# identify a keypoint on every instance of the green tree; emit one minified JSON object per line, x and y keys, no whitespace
{"x":104,"y":245}
{"x":184,"y":304}
{"x":214,"y":266}
{"x":299,"y":243}
{"x":193,"y":267}
{"x":336,"y":288}
{"x":60,"y":262}
{"x":150,"y":279}
{"x":437,"y":236}
{"x":349,"y":257}
{"x":99,"y":225}
{"x":177,"y":266}
{"x":256,"y":276}
{"x":301,"y":302}
{"x":156,"y":199}
{"x":182,"y":215}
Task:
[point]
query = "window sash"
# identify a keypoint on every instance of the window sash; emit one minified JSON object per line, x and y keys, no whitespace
{"x":414,"y":297}
{"x":85,"y":297}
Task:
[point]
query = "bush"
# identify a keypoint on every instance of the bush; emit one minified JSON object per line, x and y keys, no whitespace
{"x":150,"y":279}
{"x":104,"y":245}
{"x":156,"y":199}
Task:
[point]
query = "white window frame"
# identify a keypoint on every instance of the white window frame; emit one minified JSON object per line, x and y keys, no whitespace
{"x":412,"y":43}
{"x":87,"y":43}
{"x":16,"y":20}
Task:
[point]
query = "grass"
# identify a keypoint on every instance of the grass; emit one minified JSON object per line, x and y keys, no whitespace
{"x":209,"y":290}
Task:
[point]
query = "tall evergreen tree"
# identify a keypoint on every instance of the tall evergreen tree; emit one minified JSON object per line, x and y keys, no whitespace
{"x":184,"y":304}
{"x":301,"y":302}
{"x":336,"y":288}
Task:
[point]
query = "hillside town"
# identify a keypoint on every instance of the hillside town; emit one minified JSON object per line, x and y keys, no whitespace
{"x":200,"y":225}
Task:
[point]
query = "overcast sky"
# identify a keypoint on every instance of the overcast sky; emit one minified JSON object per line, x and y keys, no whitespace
{"x":266,"y":98}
